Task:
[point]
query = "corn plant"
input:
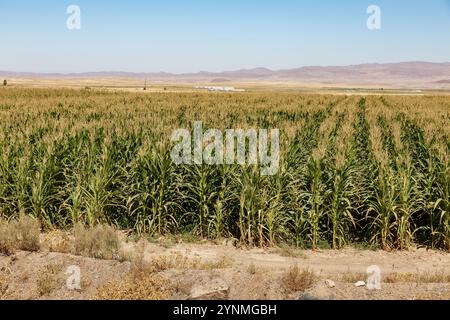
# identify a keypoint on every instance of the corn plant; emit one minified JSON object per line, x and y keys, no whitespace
{"x":353,"y":169}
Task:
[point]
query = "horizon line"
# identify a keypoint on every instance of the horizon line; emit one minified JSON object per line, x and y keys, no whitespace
{"x":218,"y":72}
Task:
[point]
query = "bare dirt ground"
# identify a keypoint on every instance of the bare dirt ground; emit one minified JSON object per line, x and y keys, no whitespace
{"x":210,"y":271}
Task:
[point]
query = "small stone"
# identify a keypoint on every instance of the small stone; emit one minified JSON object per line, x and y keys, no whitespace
{"x":330,"y":283}
{"x":360,"y":284}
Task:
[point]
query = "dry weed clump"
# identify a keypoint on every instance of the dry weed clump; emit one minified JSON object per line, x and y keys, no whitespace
{"x":251,"y":268}
{"x":48,"y":279}
{"x":28,"y":230}
{"x":222,"y":263}
{"x":20,"y":234}
{"x":181,"y":262}
{"x":7,"y":238}
{"x":296,"y":279}
{"x":137,"y":286}
{"x":58,"y":241}
{"x":173,"y":261}
{"x":100,"y":242}
{"x":3,"y":284}
{"x":353,"y":277}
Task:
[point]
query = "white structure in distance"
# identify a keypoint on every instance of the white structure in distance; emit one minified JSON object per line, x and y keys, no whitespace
{"x":223,"y":89}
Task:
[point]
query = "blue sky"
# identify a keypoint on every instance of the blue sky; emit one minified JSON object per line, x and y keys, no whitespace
{"x":212,"y":35}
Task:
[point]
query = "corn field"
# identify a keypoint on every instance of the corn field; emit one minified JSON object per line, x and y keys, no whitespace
{"x":372,"y":170}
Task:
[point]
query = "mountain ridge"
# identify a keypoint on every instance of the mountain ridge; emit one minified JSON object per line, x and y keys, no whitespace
{"x":411,"y":72}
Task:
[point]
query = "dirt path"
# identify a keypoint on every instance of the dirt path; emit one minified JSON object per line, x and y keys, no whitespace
{"x":323,"y":261}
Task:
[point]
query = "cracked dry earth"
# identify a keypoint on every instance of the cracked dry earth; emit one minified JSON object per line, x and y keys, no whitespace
{"x":227,"y":272}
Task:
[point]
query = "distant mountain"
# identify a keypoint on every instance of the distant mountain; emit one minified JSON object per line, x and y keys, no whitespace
{"x":443,"y":81}
{"x":420,"y":74}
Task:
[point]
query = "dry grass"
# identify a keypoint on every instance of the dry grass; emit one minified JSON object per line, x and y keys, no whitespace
{"x":173,"y":261}
{"x":7,"y":238}
{"x":395,"y":277}
{"x":252,"y":269}
{"x":170,"y":261}
{"x":20,"y":234}
{"x":139,"y":264}
{"x":100,"y":242}
{"x":3,"y":284}
{"x":48,"y":279}
{"x":222,"y":263}
{"x":27,"y":230}
{"x":445,"y":296}
{"x":151,"y":287}
{"x":57,"y":241}
{"x":420,"y":277}
{"x":289,"y":251}
{"x":180,"y":262}
{"x":353,"y":277}
{"x":137,"y":286}
{"x":296,"y":279}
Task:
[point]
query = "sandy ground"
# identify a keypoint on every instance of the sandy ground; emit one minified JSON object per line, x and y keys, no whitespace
{"x":235,"y":273}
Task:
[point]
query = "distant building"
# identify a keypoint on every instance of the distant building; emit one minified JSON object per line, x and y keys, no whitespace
{"x":222,"y":89}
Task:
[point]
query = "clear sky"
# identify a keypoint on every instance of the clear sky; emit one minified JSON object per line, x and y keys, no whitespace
{"x":215,"y":35}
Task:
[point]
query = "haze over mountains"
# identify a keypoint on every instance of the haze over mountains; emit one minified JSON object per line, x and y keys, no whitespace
{"x":405,"y":74}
